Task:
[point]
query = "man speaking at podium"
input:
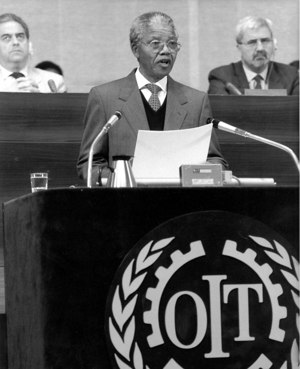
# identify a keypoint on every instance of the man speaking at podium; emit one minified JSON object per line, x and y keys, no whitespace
{"x":148,"y":98}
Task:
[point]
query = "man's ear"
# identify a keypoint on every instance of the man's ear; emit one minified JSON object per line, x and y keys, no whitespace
{"x":238,"y":46}
{"x":135,"y":51}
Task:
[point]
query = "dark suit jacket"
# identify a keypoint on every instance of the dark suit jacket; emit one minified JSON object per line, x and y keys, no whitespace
{"x":185,"y":108}
{"x":281,"y":76}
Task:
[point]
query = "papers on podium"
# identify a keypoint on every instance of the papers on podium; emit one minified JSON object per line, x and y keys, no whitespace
{"x":159,"y":154}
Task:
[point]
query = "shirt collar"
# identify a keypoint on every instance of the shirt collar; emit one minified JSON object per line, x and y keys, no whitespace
{"x":250,"y":74}
{"x":6,"y":73}
{"x":142,"y":81}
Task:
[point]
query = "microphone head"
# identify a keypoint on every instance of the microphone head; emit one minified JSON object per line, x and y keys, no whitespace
{"x":232,"y":88}
{"x":52,"y":86}
{"x":118,"y":114}
{"x":214,"y":122}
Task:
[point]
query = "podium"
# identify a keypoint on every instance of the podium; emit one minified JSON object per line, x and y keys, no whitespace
{"x":42,"y":133}
{"x":63,"y":247}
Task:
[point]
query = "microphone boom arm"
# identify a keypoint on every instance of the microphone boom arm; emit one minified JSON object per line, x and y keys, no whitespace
{"x":240,"y":132}
{"x":275,"y":144}
{"x":91,"y":155}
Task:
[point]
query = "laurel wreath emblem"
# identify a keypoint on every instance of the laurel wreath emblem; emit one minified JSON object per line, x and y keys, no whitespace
{"x":279,"y":254}
{"x":122,"y":321}
{"x":122,"y":326}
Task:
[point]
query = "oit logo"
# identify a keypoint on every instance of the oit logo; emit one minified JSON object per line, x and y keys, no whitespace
{"x":206,"y":290}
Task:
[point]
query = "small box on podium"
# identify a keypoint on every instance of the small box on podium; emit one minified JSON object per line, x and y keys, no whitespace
{"x":201,"y":175}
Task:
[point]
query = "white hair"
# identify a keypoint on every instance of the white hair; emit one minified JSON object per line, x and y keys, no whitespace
{"x":252,"y":22}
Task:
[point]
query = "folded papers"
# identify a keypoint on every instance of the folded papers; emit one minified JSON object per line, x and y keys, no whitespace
{"x":159,"y":154}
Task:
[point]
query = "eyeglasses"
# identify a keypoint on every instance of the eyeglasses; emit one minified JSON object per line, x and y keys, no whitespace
{"x":253,"y":43}
{"x":156,"y":45}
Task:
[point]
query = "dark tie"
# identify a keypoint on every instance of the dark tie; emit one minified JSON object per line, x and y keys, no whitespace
{"x":154,"y":100}
{"x":17,"y":75}
{"x":258,"y":80}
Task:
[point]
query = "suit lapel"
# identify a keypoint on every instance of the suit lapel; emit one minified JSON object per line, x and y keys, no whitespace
{"x":132,"y":107}
{"x":175,"y":111}
{"x":132,"y":104}
{"x":240,"y":76}
{"x":274,"y":79}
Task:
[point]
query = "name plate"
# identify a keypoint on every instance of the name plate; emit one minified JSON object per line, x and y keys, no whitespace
{"x":271,"y":92}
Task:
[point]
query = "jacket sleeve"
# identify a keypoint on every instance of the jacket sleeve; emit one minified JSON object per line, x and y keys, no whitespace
{"x":216,"y":84}
{"x":214,"y":152}
{"x":295,"y":85}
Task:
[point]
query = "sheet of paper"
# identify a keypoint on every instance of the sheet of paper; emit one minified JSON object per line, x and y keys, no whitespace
{"x":159,"y":154}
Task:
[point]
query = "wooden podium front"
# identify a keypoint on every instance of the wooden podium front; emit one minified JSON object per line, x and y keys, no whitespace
{"x":64,"y":246}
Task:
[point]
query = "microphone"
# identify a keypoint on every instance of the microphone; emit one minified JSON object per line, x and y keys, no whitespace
{"x":52,"y":86}
{"x":226,"y":127}
{"x":112,"y":120}
{"x":232,"y":88}
{"x":240,"y":132}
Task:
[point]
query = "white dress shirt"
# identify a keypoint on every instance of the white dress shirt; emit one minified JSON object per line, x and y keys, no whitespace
{"x":38,"y":76}
{"x":250,"y":75}
{"x":142,"y":81}
{"x":9,"y":83}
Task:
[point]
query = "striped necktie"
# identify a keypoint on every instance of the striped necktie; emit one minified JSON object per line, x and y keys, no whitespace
{"x":258,"y":80}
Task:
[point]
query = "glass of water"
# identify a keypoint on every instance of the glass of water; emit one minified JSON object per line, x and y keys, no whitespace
{"x":39,"y":181}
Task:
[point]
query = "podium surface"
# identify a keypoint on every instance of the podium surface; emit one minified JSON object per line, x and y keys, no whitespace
{"x":64,"y":246}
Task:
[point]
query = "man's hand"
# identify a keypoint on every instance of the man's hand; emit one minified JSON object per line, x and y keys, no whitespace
{"x":25,"y":84}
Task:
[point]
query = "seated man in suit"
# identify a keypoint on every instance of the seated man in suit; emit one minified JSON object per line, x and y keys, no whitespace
{"x":256,"y":43}
{"x":154,"y":42}
{"x":16,"y":74}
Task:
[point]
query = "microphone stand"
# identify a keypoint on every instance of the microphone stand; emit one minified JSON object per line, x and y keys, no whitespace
{"x":275,"y":144}
{"x":91,"y":154}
